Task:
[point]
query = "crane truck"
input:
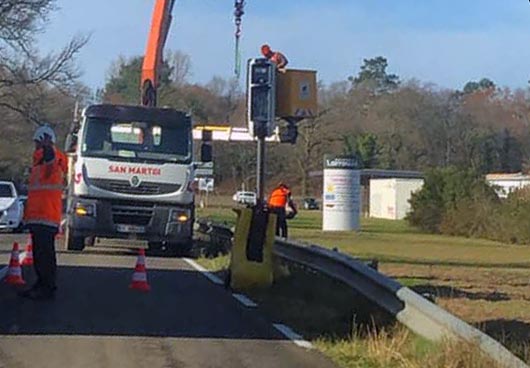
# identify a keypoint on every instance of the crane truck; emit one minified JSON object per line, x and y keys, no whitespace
{"x":131,"y":169}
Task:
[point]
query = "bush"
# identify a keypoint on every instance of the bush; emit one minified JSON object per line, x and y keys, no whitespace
{"x":443,"y":192}
{"x":514,"y":218}
{"x":461,"y":203}
{"x":471,"y":218}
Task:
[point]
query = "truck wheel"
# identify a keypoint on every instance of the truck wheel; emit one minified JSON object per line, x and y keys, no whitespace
{"x":155,"y":249}
{"x":182,"y":249}
{"x":76,"y":243}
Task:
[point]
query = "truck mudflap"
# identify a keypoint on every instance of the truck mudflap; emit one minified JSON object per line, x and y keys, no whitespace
{"x":124,"y":219}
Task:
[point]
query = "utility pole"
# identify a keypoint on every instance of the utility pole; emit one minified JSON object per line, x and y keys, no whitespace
{"x":260,"y":170}
{"x":261,"y":106}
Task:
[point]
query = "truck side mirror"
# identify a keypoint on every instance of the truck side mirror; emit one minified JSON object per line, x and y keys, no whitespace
{"x":206,"y":146}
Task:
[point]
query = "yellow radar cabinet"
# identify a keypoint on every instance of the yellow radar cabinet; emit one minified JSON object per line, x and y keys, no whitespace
{"x":296,"y":94}
{"x":251,"y":260}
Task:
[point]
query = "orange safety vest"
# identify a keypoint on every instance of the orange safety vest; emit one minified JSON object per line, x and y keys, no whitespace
{"x":46,"y":182}
{"x":279,"y":198}
{"x":279,"y":58}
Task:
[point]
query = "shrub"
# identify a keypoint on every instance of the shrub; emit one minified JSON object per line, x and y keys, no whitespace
{"x":445,"y":191}
{"x":461,"y":203}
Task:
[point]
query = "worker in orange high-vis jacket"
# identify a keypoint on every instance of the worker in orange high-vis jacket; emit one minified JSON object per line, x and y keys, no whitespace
{"x":279,"y":200}
{"x":276,"y":57}
{"x":43,"y":212}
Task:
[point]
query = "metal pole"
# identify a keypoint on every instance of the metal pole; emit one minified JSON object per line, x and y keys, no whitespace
{"x":260,"y":171}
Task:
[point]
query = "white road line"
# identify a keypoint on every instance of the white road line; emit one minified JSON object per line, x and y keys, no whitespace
{"x":210,"y":276}
{"x":246,"y":301}
{"x":293,"y":336}
{"x":3,"y":271}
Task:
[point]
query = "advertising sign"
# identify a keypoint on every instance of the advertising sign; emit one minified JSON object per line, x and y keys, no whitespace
{"x":341,"y":194}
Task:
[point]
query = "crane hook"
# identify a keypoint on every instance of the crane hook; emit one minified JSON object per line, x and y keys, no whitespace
{"x":239,"y":11}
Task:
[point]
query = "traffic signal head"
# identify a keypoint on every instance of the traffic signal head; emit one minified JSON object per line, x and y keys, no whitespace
{"x":261,"y":97}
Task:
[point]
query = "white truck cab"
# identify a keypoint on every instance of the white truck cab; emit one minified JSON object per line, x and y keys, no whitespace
{"x":132,"y":177}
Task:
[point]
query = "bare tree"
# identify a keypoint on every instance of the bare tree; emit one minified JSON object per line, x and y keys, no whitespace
{"x":312,"y":136}
{"x":181,"y":64}
{"x":24,"y":74}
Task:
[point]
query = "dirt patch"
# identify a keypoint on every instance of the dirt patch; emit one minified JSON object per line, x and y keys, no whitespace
{"x":495,"y":300}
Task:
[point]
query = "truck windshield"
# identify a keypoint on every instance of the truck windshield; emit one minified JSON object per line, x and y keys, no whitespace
{"x":6,"y":191}
{"x":136,"y":141}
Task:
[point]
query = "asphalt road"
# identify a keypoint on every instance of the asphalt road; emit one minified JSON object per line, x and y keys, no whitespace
{"x":96,"y":321}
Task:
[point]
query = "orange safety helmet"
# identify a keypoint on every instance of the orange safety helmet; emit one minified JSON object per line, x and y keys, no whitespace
{"x":266,"y":50}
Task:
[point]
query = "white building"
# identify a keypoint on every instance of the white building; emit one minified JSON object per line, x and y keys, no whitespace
{"x":507,"y":183}
{"x":389,"y":198}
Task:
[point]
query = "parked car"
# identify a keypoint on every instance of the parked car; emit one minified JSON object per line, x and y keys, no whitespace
{"x":23,"y":199}
{"x":310,"y":204}
{"x":245,"y":198}
{"x":11,"y":208}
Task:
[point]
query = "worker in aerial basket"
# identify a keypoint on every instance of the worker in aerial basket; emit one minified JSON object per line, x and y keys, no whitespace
{"x":282,"y":205}
{"x":276,"y":57}
{"x":43,"y":212}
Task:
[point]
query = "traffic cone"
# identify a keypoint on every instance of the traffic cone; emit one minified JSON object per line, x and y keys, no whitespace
{"x":28,"y":261}
{"x":139,"y":278}
{"x":14,"y":272}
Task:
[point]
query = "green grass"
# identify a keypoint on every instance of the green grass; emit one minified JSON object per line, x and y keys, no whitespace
{"x":410,"y":281}
{"x":397,"y":348}
{"x":476,"y":266}
{"x":341,"y":324}
{"x":396,"y":241}
{"x":219,"y":215}
{"x":215,"y":264}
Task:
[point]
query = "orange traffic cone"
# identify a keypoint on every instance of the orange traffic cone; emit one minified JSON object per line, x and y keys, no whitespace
{"x":139,"y":278}
{"x":28,"y":261}
{"x":14,"y":272}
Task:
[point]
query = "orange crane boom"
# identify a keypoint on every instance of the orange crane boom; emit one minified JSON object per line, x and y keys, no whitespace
{"x":155,"y":50}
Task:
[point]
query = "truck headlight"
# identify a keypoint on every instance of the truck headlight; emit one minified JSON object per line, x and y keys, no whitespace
{"x":180,"y":216}
{"x":84,"y":209}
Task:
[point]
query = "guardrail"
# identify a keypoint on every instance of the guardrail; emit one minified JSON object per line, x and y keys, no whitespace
{"x":412,"y":310}
{"x":219,"y":235}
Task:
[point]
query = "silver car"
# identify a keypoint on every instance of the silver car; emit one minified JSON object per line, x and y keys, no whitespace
{"x":11,"y":207}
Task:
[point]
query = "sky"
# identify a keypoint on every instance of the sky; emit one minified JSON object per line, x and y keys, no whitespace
{"x":445,"y":42}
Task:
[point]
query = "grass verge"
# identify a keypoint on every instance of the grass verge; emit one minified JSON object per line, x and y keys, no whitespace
{"x":345,"y":327}
{"x":485,"y":283}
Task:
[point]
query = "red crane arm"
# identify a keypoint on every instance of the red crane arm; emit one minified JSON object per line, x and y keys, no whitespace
{"x":155,"y":48}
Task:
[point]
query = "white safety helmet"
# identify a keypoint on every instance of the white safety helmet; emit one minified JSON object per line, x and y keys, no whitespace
{"x":42,"y":131}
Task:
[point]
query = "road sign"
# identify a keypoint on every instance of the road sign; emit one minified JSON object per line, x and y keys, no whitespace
{"x":206,"y":184}
{"x":203,"y":169}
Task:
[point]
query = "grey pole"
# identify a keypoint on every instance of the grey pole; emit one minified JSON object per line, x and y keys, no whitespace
{"x":260,"y":171}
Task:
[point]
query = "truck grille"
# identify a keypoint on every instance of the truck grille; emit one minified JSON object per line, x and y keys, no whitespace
{"x":123,"y":186}
{"x":132,"y":214}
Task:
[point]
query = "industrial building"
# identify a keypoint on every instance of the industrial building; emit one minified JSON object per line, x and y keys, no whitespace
{"x":504,"y":184}
{"x":389,"y":198}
